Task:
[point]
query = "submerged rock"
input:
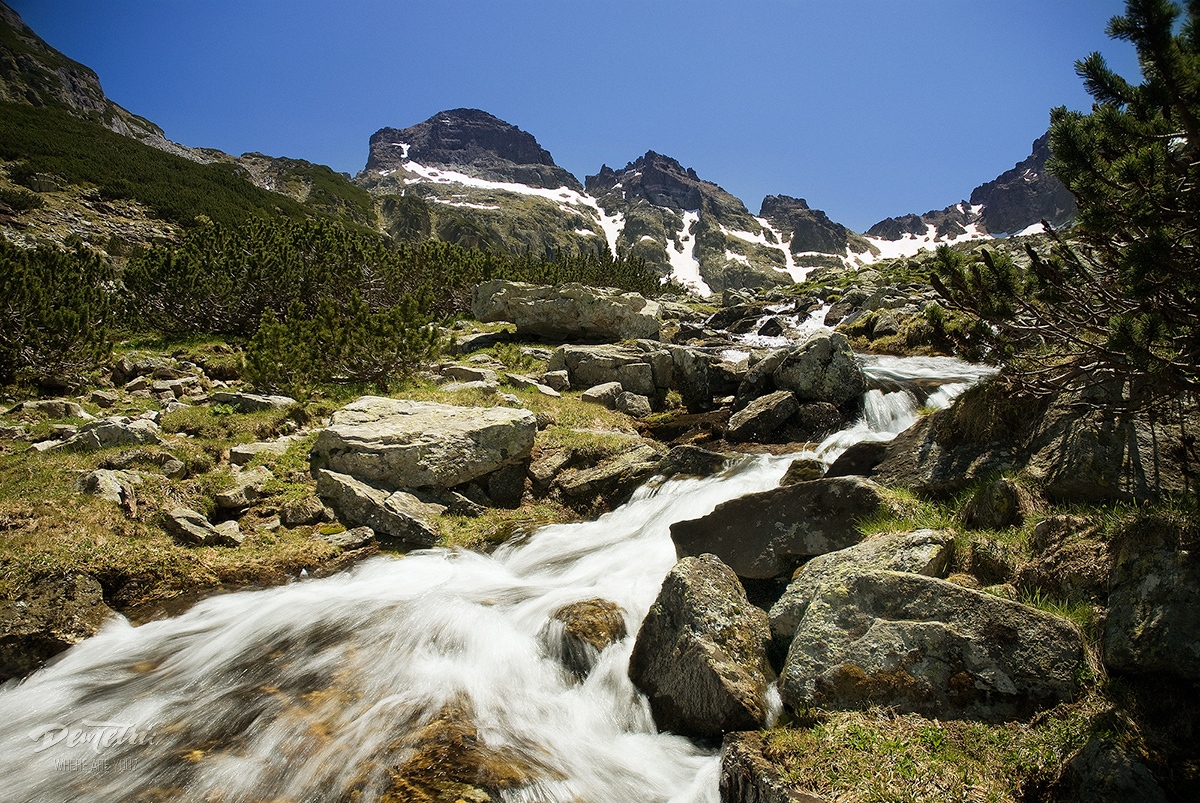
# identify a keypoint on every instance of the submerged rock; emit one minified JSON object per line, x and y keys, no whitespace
{"x":579,"y":631}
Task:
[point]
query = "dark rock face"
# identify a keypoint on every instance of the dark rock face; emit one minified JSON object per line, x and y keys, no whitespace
{"x":811,"y":229}
{"x":470,"y":138}
{"x":1025,"y":195}
{"x":1153,"y":621}
{"x":46,"y":619}
{"x":663,"y":182}
{"x":894,"y":228}
{"x":767,"y":535}
{"x":701,"y":653}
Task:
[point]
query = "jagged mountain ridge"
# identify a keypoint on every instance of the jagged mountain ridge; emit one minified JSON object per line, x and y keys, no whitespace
{"x":1015,"y":202}
{"x":468,"y":177}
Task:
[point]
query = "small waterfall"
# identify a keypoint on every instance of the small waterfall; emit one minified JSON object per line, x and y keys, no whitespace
{"x":323,"y":689}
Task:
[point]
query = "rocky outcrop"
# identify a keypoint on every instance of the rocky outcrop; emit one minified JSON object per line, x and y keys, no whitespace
{"x":700,"y":655}
{"x":925,"y":552}
{"x":472,"y":139}
{"x":396,"y":443}
{"x":47,"y":618}
{"x":809,"y":229}
{"x":767,"y":535}
{"x":566,"y":312}
{"x":1072,"y":448}
{"x":1025,"y":195}
{"x":930,"y":647}
{"x":398,"y":516}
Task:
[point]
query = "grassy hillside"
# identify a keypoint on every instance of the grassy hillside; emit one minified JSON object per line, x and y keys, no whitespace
{"x":45,"y":140}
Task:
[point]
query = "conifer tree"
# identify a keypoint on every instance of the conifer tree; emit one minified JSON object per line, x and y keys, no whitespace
{"x":1121,"y":299}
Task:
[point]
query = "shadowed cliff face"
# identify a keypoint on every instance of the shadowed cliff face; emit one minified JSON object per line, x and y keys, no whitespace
{"x":470,"y":138}
{"x":1025,"y":195}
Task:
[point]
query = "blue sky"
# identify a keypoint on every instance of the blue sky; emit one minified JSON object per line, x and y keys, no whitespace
{"x":867,"y":108}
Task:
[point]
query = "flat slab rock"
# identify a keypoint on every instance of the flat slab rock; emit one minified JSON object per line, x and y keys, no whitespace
{"x":929,"y":647}
{"x":767,"y":535}
{"x":398,"y":443}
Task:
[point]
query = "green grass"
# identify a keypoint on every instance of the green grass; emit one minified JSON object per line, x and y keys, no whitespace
{"x":878,"y":756}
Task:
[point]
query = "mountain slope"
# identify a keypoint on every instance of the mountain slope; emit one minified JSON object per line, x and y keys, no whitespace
{"x":35,"y":74}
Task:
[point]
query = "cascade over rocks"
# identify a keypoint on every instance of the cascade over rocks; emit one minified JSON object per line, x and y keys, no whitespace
{"x":767,"y":535}
{"x":567,"y":312}
{"x":929,"y":647}
{"x":701,"y":653}
{"x":396,"y":443}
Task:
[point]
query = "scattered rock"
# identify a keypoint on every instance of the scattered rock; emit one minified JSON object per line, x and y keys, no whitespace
{"x":52,"y":408}
{"x":558,"y":380}
{"x":700,"y":655}
{"x":48,"y":617}
{"x":115,"y":486}
{"x":104,"y":398}
{"x":231,"y":531}
{"x":692,"y":461}
{"x":467,"y":373}
{"x":526,"y":383}
{"x":108,"y":432}
{"x":767,"y":535}
{"x":399,"y":516}
{"x":614,"y":479}
{"x":194,"y":528}
{"x":605,"y":394}
{"x":243,"y":453}
{"x":408,"y":444}
{"x":302,"y":512}
{"x":803,"y":469}
{"x":250,"y":402}
{"x":633,"y":404}
{"x":346,"y":540}
{"x":247,"y":487}
{"x":929,"y":647}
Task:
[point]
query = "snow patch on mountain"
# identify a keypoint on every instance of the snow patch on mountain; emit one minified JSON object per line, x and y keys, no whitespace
{"x":685,"y":268}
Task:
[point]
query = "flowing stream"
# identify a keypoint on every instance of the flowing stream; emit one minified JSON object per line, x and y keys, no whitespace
{"x":321,"y":689}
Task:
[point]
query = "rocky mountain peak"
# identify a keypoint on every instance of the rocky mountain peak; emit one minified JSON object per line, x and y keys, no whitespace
{"x":664,"y":182}
{"x":1025,"y":195}
{"x":808,"y":230}
{"x":472,"y":141}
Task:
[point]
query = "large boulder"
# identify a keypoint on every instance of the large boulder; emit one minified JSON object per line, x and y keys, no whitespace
{"x":398,"y":516}
{"x":612,"y":480}
{"x":398,"y":443}
{"x":700,"y":655}
{"x":1153,"y":621}
{"x":762,"y":416}
{"x":768,"y":534}
{"x":105,"y":433}
{"x":926,"y":552}
{"x":929,"y":647}
{"x":567,"y":312}
{"x":822,"y":369}
{"x":47,"y":618}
